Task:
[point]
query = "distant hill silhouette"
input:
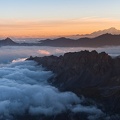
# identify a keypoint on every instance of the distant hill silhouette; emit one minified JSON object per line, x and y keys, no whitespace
{"x":7,"y":41}
{"x":102,"y":40}
{"x":61,"y":42}
{"x":111,"y":30}
{"x":10,"y":42}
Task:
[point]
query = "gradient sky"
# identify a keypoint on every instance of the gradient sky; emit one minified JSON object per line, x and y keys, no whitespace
{"x":41,"y":18}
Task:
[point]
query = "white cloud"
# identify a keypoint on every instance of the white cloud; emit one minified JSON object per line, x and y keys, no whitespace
{"x":10,"y":53}
{"x":24,"y":87}
{"x":43,"y":52}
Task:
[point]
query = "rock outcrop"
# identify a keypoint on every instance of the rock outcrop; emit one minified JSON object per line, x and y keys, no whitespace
{"x":94,"y":75}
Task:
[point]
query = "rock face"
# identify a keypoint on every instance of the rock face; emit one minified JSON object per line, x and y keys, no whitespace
{"x":94,"y":75}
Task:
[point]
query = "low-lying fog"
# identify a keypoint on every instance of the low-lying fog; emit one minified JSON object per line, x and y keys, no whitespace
{"x":9,"y":53}
{"x":24,"y":87}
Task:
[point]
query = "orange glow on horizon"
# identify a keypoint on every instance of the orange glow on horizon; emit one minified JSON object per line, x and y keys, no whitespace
{"x":16,"y":28}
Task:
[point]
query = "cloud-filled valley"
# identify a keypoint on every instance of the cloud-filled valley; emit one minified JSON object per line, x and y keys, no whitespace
{"x":9,"y":53}
{"x":24,"y":88}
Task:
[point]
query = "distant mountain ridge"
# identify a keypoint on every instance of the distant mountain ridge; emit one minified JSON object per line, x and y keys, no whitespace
{"x":100,"y":41}
{"x":111,"y":30}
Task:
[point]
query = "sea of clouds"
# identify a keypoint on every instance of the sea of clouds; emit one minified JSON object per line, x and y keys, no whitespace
{"x":9,"y":53}
{"x":24,"y":88}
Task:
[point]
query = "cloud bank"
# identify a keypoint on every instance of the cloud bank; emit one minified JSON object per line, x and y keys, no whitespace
{"x":9,"y":53}
{"x":24,"y":88}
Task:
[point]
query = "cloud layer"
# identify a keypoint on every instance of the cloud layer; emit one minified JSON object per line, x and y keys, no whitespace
{"x":9,"y":53}
{"x":24,"y":87}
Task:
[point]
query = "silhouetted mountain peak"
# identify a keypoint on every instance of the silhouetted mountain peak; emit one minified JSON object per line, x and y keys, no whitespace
{"x":8,"y":39}
{"x":62,"y":38}
{"x":111,"y":30}
{"x":106,"y":34}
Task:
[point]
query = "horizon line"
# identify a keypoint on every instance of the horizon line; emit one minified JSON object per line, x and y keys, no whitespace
{"x":54,"y":36}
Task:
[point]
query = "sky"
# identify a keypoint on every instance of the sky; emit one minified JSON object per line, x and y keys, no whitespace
{"x":44,"y":18}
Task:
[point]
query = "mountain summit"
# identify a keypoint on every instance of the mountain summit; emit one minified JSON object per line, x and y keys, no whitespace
{"x":111,"y":30}
{"x":7,"y":41}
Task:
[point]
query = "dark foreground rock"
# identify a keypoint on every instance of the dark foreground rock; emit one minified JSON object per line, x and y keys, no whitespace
{"x":91,"y":74}
{"x":62,"y":116}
